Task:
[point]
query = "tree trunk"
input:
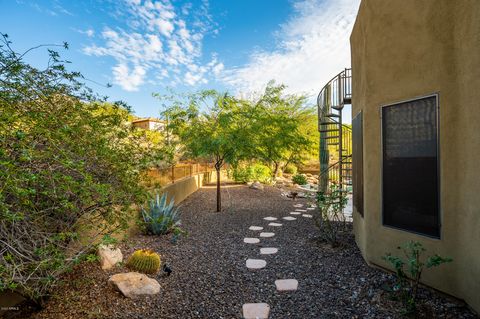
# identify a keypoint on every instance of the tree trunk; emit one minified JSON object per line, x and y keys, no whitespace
{"x":219,"y":195}
{"x":275,"y":172}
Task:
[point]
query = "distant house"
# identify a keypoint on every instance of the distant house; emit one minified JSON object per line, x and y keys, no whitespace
{"x":149,"y":123}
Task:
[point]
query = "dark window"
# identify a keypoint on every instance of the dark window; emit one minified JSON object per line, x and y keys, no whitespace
{"x":357,"y":161}
{"x":410,"y":166}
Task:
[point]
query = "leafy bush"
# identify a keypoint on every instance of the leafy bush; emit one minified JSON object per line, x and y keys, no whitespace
{"x":249,"y":173}
{"x":161,"y":218}
{"x":330,"y":218}
{"x":144,"y":260}
{"x":65,"y":158}
{"x":408,"y":280}
{"x":290,"y":169}
{"x":299,"y":179}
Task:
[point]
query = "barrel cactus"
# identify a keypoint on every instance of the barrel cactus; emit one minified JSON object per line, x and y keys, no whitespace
{"x":161,"y":217}
{"x":145,"y":261}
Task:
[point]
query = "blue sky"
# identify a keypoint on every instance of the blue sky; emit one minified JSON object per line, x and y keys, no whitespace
{"x":141,"y":47}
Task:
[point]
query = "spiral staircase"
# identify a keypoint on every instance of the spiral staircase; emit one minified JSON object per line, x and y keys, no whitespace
{"x":335,"y":136}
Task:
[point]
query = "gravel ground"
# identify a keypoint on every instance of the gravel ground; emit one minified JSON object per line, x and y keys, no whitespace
{"x":210,"y":280}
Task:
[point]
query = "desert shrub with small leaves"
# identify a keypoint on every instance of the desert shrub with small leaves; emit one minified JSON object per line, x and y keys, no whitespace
{"x":65,"y":156}
{"x":409,"y":270}
{"x":299,"y":179}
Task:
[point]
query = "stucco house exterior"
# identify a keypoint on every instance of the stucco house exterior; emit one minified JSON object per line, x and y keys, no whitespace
{"x":149,"y":123}
{"x":416,"y":120}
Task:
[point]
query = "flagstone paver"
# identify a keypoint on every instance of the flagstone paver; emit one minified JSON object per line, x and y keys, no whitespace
{"x":249,"y":240}
{"x":255,"y":228}
{"x":295,"y":213}
{"x":266,"y":234}
{"x":289,"y":218}
{"x":256,"y":311}
{"x":310,"y":208}
{"x":301,"y":210}
{"x":298,"y":205}
{"x":275,"y":224}
{"x":307,"y":215}
{"x":255,"y":263}
{"x":268,"y":250}
{"x":270,"y":218}
{"x":286,"y":284}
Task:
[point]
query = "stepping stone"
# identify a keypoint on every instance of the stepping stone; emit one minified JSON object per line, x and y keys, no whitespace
{"x":270,"y":218}
{"x":256,"y":311}
{"x":295,"y":213}
{"x":307,"y":215}
{"x":286,"y":284}
{"x":298,"y":205}
{"x":310,"y":208}
{"x":248,"y":240}
{"x":256,"y":263}
{"x":275,"y":224}
{"x":268,"y":251}
{"x":255,"y":228}
{"x":289,"y":218}
{"x":301,"y":210}
{"x":267,"y":234}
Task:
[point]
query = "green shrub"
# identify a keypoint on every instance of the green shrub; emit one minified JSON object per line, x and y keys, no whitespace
{"x":145,"y":261}
{"x":299,"y":179}
{"x":290,"y":169}
{"x":66,"y":159}
{"x":160,"y":218}
{"x":249,"y":173}
{"x":408,"y":279}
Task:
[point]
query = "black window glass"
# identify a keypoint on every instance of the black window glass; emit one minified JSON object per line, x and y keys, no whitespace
{"x":410,"y":166}
{"x":357,"y":161}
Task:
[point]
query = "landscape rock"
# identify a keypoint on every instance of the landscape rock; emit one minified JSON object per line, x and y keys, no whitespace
{"x":109,"y":256}
{"x":257,"y":185}
{"x":134,"y":284}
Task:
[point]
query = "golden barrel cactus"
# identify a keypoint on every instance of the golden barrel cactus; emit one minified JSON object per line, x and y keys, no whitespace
{"x":145,"y":261}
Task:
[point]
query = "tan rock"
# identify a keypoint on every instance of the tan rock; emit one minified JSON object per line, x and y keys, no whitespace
{"x":134,"y":284}
{"x":109,"y":256}
{"x":256,"y":311}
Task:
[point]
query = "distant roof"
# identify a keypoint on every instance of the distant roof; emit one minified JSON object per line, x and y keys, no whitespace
{"x":148,"y":119}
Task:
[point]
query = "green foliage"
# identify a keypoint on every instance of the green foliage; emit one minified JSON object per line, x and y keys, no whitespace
{"x":144,"y":260}
{"x":161,"y":217}
{"x":290,"y":169}
{"x":330,"y":218}
{"x":409,"y":271}
{"x":252,"y":172}
{"x":91,"y":258}
{"x":300,"y":179}
{"x":67,"y":159}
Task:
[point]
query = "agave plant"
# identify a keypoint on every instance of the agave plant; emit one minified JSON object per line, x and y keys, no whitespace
{"x":161,"y":218}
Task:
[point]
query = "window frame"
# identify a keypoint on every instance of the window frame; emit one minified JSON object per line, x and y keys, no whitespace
{"x":437,"y":119}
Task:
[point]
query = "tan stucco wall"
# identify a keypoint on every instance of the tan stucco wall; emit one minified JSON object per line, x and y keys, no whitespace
{"x":402,"y":49}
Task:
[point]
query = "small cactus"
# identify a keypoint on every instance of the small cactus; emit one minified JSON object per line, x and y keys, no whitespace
{"x":144,"y":260}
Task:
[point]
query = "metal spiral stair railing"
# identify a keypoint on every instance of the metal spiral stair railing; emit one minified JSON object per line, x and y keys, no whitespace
{"x":331,"y":100}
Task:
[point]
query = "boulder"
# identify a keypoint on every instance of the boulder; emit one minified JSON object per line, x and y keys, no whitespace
{"x":257,"y":185}
{"x":109,"y":256}
{"x":134,"y":284}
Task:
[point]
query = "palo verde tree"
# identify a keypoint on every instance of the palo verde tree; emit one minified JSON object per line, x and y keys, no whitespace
{"x":210,"y":125}
{"x":280,"y":127}
{"x":66,"y":159}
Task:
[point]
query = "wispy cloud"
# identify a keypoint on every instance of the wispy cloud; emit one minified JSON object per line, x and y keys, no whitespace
{"x":158,"y":39}
{"x":313,"y":45}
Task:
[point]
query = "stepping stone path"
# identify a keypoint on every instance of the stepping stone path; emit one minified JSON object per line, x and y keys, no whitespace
{"x":248,"y":240}
{"x":267,"y":234}
{"x":262,"y":310}
{"x":310,"y":208}
{"x":256,"y":310}
{"x":275,"y":224}
{"x":286,"y":284}
{"x":256,"y":263}
{"x":270,"y":218}
{"x":268,"y":250}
